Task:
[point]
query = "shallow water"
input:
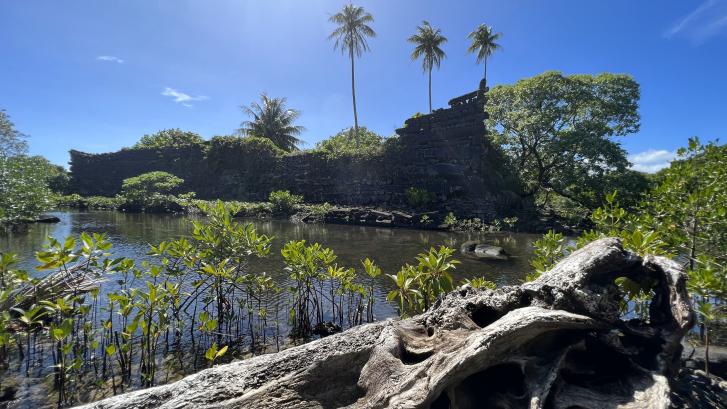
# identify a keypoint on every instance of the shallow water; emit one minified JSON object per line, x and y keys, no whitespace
{"x":131,"y":235}
{"x":390,"y":248}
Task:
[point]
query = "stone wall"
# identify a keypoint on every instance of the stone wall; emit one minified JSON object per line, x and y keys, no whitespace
{"x":445,"y":152}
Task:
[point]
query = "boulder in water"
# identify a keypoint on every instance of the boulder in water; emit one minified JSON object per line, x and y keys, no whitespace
{"x":483,"y":251}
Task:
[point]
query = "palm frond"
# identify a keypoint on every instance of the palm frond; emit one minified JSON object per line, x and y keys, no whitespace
{"x":428,"y":42}
{"x":271,"y":119}
{"x":484,"y":42}
{"x":352,"y":30}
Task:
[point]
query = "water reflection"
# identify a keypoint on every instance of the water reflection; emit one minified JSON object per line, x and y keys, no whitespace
{"x":390,"y":248}
{"x":131,"y":235}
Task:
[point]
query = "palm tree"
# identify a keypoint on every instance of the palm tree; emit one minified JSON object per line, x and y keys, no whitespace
{"x":350,"y":36}
{"x":484,"y":44}
{"x":271,"y":119}
{"x":428,"y":42}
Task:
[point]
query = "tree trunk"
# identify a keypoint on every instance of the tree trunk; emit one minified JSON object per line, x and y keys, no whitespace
{"x":558,"y":341}
{"x":430,"y":90}
{"x":487,"y":52}
{"x":706,"y":349}
{"x":353,"y":95}
{"x":693,"y":250}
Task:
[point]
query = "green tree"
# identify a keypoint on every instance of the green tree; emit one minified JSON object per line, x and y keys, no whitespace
{"x":345,"y":143}
{"x":24,"y":191}
{"x":284,"y":202}
{"x":684,"y":216}
{"x":12,"y":141}
{"x":428,"y":42}
{"x":484,"y":43}
{"x":558,"y":130}
{"x":350,"y":37}
{"x":24,"y":180}
{"x":168,"y":138}
{"x":152,"y":190}
{"x":691,"y":199}
{"x":150,"y":183}
{"x":271,"y":119}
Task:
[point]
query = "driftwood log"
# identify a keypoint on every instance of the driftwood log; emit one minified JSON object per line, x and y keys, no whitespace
{"x":557,"y":342}
{"x":77,"y":279}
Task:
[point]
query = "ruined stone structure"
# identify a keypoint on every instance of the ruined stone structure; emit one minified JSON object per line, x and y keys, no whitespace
{"x":445,"y":153}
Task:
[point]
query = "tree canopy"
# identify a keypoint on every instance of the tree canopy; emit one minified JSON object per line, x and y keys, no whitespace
{"x":272,"y":119}
{"x":12,"y":141}
{"x":345,"y":143}
{"x":691,"y":199}
{"x":558,"y":130}
{"x":151,"y":183}
{"x":168,"y":138}
{"x":24,"y":191}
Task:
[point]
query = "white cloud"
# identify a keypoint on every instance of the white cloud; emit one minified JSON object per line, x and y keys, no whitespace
{"x":181,"y":97}
{"x":110,"y":58}
{"x":651,"y":160}
{"x":702,"y":23}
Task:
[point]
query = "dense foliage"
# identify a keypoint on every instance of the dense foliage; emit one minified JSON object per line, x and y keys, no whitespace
{"x":168,"y":138}
{"x":232,"y":146}
{"x":345,"y":143}
{"x":691,"y":202}
{"x":139,"y":187}
{"x":557,"y":131}
{"x":12,"y":141}
{"x":152,"y":190}
{"x":24,"y":180}
{"x":24,"y":191}
{"x":683,"y":217}
{"x":283,"y":202}
{"x":272,"y":119}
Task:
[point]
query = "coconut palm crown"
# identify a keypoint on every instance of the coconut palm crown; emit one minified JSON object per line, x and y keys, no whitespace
{"x":350,"y":37}
{"x":271,"y":119}
{"x":484,"y":43}
{"x":428,"y":42}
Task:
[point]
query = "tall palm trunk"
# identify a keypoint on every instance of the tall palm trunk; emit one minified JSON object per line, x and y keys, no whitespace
{"x":430,"y":89}
{"x":487,"y":52}
{"x":353,"y":94}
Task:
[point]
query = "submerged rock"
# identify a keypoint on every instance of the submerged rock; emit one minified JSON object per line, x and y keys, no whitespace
{"x":324,"y":329}
{"x":48,"y":219}
{"x":483,"y":251}
{"x":556,"y":342}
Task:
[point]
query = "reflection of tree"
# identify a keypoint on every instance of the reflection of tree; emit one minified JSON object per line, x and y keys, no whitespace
{"x":390,"y":248}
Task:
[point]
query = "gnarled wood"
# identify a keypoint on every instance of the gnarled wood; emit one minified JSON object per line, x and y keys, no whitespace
{"x":556,"y":342}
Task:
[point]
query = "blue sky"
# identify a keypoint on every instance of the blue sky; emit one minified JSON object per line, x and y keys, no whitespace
{"x":97,"y":75}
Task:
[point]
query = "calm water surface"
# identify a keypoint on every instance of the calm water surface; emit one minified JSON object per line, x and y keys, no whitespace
{"x":390,"y":248}
{"x":131,"y":235}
